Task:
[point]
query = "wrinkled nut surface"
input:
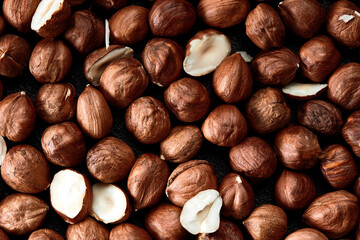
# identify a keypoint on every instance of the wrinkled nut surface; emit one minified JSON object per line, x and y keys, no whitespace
{"x":227,"y":230}
{"x":147,"y":181}
{"x":88,"y":229}
{"x":3,"y":150}
{"x":264,"y":27}
{"x":188,"y":179}
{"x":351,"y":132}
{"x":18,"y":117}
{"x":182,"y":143}
{"x":267,"y":222}
{"x":45,"y":234}
{"x":110,"y":4}
{"x":225,"y":126}
{"x":21,"y":214}
{"x":110,"y":160}
{"x":335,"y":213}
{"x":188,"y":99}
{"x":205,"y":51}
{"x":128,"y":231}
{"x":148,"y":120}
{"x":303,"y":91}
{"x":306,"y":234}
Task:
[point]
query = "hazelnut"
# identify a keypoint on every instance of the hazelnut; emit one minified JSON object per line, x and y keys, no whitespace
{"x":335,"y":213}
{"x":93,"y":113}
{"x":343,"y":23}
{"x":303,"y":91}
{"x":2,"y":25}
{"x":188,"y":99}
{"x":15,"y":54}
{"x":128,"y":231}
{"x":88,"y":229}
{"x":110,"y":160}
{"x":303,"y":17}
{"x":163,"y":222}
{"x":170,"y":18}
{"x":267,"y":111}
{"x":319,"y":58}
{"x":50,"y":61}
{"x":254,"y":158}
{"x":18,"y":116}
{"x":306,"y":234}
{"x":237,"y":195}
{"x":223,"y":14}
{"x":56,"y":102}
{"x":182,"y":144}
{"x":356,"y":187}
{"x":264,"y":27}
{"x":3,"y":235}
{"x":162,"y":60}
{"x":123,"y":81}
{"x":232,"y":80}
{"x":351,"y":132}
{"x":45,"y":234}
{"x":275,"y":67}
{"x":267,"y":222}
{"x":148,"y":120}
{"x":129,"y":25}
{"x":294,"y":190}
{"x":110,"y":4}
{"x":147,"y":181}
{"x":227,"y":230}
{"x":338,"y":166}
{"x":188,"y":179}
{"x":225,"y":126}
{"x":297,"y":147}
{"x":320,"y":116}
{"x":344,"y":86}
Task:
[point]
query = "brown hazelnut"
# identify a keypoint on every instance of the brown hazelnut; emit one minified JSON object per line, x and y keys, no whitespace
{"x":188,"y":179}
{"x":237,"y":195}
{"x":188,"y":99}
{"x":223,"y":14}
{"x":344,"y":86}
{"x":162,"y":60}
{"x":319,"y":58}
{"x":343,"y":23}
{"x":85,"y":32}
{"x":163,"y":222}
{"x":128,"y":231}
{"x":21,"y":214}
{"x":225,"y":126}
{"x":56,"y":102}
{"x":15,"y":52}
{"x":297,"y":147}
{"x":182,"y":143}
{"x":110,"y":160}
{"x":264,"y":27}
{"x":232,"y":80}
{"x":129,"y":25}
{"x":2,"y":25}
{"x":335,"y":213}
{"x":3,"y":235}
{"x":148,"y":120}
{"x":147,"y":181}
{"x":18,"y":116}
{"x":294,"y":190}
{"x":306,"y":234}
{"x":123,"y":81}
{"x":275,"y":67}
{"x":45,"y":234}
{"x":351,"y":132}
{"x":110,"y":4}
{"x":303,"y":17}
{"x":338,"y":166}
{"x":93,"y":113}
{"x":267,"y":111}
{"x":267,"y":222}
{"x":88,"y":229}
{"x":320,"y":116}
{"x":254,"y":158}
{"x":227,"y":230}
{"x":170,"y":18}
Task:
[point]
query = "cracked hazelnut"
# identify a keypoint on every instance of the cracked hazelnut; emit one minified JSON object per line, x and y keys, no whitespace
{"x":110,"y":4}
{"x":303,"y":91}
{"x":227,"y":230}
{"x":351,"y":132}
{"x":306,"y":234}
{"x":128,"y":231}
{"x":88,"y":229}
{"x":45,"y":234}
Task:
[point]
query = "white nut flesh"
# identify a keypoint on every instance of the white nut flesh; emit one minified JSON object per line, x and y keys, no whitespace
{"x":67,"y":192}
{"x":303,"y":90}
{"x":201,"y":214}
{"x":44,"y":12}
{"x":206,"y":54}
{"x":247,"y":58}
{"x":3,"y":149}
{"x":107,"y":34}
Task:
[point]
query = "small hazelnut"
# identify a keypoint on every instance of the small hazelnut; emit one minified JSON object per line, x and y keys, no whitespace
{"x":351,"y":132}
{"x":188,"y":99}
{"x":227,"y":230}
{"x":50,"y":61}
{"x":2,"y":25}
{"x":264,"y":27}
{"x":225,"y":126}
{"x":267,"y":111}
{"x":110,"y":4}
{"x":128,"y":231}
{"x":88,"y":229}
{"x":223,"y":14}
{"x":162,"y":60}
{"x":171,"y":18}
{"x":232,"y":80}
{"x":297,"y":147}
{"x":306,"y":234}
{"x":45,"y":234}
{"x":303,"y":91}
{"x":148,"y":120}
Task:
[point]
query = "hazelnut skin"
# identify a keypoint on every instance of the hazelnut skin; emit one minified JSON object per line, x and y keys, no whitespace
{"x":351,"y":132}
{"x":128,"y":231}
{"x":110,"y":4}
{"x":88,"y":229}
{"x":306,"y":234}
{"x":45,"y":234}
{"x":227,"y":230}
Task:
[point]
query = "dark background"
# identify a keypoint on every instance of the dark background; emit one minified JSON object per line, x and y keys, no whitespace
{"x":218,"y":156}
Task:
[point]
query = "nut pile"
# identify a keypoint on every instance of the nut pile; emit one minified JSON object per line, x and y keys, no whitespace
{"x":161,"y":121}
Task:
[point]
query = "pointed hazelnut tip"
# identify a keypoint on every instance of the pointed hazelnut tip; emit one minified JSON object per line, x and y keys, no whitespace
{"x":22,"y":93}
{"x":87,"y":85}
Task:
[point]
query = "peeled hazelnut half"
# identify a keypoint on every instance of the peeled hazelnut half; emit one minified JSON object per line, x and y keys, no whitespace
{"x":88,"y":229}
{"x":67,"y":183}
{"x":306,"y":234}
{"x":45,"y":234}
{"x":227,"y":230}
{"x":128,"y":231}
{"x":205,"y":51}
{"x":351,"y":132}
{"x":3,"y":150}
{"x":303,"y":91}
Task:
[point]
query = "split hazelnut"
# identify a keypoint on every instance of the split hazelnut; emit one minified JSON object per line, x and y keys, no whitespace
{"x":351,"y":132}
{"x":303,"y":91}
{"x":227,"y":230}
{"x":110,"y":4}
{"x":88,"y":229}
{"x":128,"y":231}
{"x":306,"y":234}
{"x":45,"y":234}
